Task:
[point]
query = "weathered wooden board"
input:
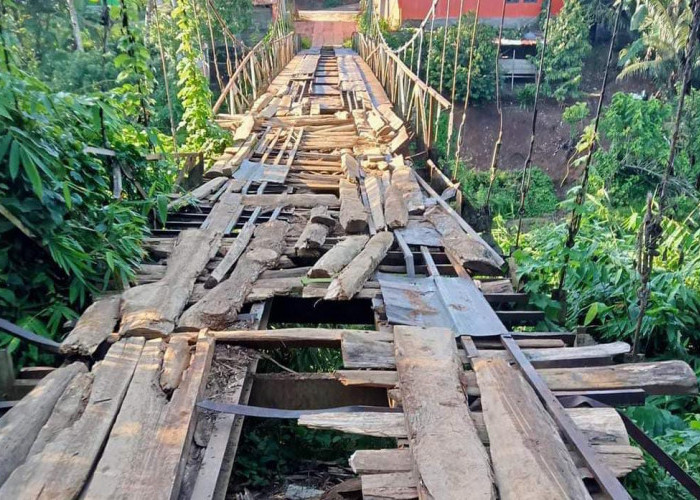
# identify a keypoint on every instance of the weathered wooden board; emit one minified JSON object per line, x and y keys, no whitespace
{"x":449,"y":456}
{"x":93,"y":327}
{"x":152,"y":310}
{"x":353,"y":215}
{"x":529,"y":458}
{"x":64,"y":465}
{"x":342,"y":253}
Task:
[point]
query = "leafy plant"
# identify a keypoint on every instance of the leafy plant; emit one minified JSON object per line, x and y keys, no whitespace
{"x":574,"y":116}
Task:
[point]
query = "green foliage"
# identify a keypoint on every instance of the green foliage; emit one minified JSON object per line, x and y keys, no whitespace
{"x":526,"y":96}
{"x":194,"y":93}
{"x":658,"y":51}
{"x":602,"y":282}
{"x":505,"y":197}
{"x":574,"y":116}
{"x":638,"y":133}
{"x":567,"y":47}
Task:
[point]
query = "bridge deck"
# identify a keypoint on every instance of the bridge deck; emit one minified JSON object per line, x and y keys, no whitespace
{"x":315,"y":217}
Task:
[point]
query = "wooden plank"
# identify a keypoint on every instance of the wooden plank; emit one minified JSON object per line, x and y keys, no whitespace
{"x":592,"y":352}
{"x":529,"y":458}
{"x":342,"y":253}
{"x":292,"y":200}
{"x":403,"y":180}
{"x":374,"y":195}
{"x":353,"y":215}
{"x":227,"y":209}
{"x":151,"y":310}
{"x":469,"y":251}
{"x":220,"y":306}
{"x":315,"y":232}
{"x":660,"y":377}
{"x":176,"y":359}
{"x":353,"y":277}
{"x":395,"y":210}
{"x":232,"y":255}
{"x":21,"y":425}
{"x":320,"y":337}
{"x":93,"y":327}
{"x":398,"y":485}
{"x":367,"y":350}
{"x":64,"y":465}
{"x":449,"y":456}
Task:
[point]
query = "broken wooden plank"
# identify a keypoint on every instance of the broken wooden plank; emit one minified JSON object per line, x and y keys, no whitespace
{"x":529,"y":458}
{"x":226,"y":211}
{"x":319,"y":337}
{"x":64,"y":465}
{"x":220,"y":306}
{"x":314,"y":234}
{"x":198,"y":193}
{"x":395,"y":211}
{"x":467,"y":250}
{"x":292,"y":200}
{"x":449,"y":456}
{"x":333,"y":261}
{"x":353,"y":276}
{"x":21,"y":425}
{"x":565,"y":354}
{"x":367,"y":350}
{"x":176,"y":359}
{"x":398,"y":485}
{"x":151,"y":310}
{"x":93,"y":327}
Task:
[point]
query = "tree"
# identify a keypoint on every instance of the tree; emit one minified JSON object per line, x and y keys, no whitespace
{"x":567,"y":47}
{"x":75,"y":25}
{"x":663,"y":27}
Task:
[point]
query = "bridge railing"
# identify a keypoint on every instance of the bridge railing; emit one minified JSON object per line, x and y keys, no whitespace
{"x":414,"y":101}
{"x":256,"y":71}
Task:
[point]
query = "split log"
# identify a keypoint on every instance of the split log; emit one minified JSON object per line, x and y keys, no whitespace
{"x":529,"y":457}
{"x":350,"y":167}
{"x":175,"y":361}
{"x":21,"y":425}
{"x":374,"y":195}
{"x":220,"y":306}
{"x":398,"y":485}
{"x":232,"y":255}
{"x":353,"y":215}
{"x":93,"y":327}
{"x":395,"y":210}
{"x":151,"y":310}
{"x":469,"y":251}
{"x":353,"y":277}
{"x":314,"y":234}
{"x":62,"y":469}
{"x":661,"y":377}
{"x":333,"y":261}
{"x":402,"y":179}
{"x":245,"y":128}
{"x":320,"y":215}
{"x":449,"y":456}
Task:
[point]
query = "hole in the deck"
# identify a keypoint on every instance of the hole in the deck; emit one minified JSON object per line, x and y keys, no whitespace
{"x":313,"y":311}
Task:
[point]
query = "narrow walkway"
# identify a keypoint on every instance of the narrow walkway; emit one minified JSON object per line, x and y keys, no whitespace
{"x":316,"y":217}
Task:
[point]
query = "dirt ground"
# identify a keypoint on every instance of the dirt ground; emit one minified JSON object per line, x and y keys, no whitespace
{"x":325,"y":33}
{"x":553,"y":145}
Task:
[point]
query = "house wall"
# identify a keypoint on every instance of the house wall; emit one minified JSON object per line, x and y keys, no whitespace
{"x":517,"y":13}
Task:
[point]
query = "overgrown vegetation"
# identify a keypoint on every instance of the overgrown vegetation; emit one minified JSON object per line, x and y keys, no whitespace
{"x":64,"y":236}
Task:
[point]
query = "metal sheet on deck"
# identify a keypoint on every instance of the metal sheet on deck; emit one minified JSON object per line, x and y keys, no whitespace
{"x":261,"y":172}
{"x":441,"y":301}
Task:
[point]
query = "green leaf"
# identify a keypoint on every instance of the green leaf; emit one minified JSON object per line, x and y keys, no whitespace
{"x":14,"y":160}
{"x":591,"y":314}
{"x":32,"y":172}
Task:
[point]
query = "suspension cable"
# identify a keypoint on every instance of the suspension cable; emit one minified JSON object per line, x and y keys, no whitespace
{"x":576,"y":215}
{"x":224,"y":27}
{"x":468,"y":91}
{"x":525,"y":181}
{"x":165,"y":76}
{"x":499,"y":110}
{"x":450,"y":123}
{"x":652,"y":229}
{"x":430,"y":48}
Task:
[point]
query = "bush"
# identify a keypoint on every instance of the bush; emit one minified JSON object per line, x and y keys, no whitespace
{"x":526,"y":96}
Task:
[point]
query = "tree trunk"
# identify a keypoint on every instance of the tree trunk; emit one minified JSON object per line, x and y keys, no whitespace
{"x":76,"y":27}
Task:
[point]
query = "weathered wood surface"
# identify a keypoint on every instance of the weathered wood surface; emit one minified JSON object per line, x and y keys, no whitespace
{"x":226,"y":210}
{"x":21,"y":425}
{"x":350,"y":167}
{"x":398,"y":486}
{"x":376,"y":203}
{"x":63,"y":467}
{"x":314,"y":234}
{"x":93,"y":327}
{"x":319,"y":337}
{"x":366,"y":350}
{"x":220,"y":306}
{"x":151,"y":310}
{"x":198,"y":193}
{"x":449,"y":456}
{"x":292,"y":200}
{"x":342,"y":253}
{"x":661,"y":377}
{"x":529,"y":458}
{"x":591,"y":352}
{"x":469,"y":251}
{"x":353,"y":276}
{"x":353,"y":215}
{"x":395,"y":210}
{"x":232,"y":255}
{"x":402,"y":179}
{"x":176,"y":359}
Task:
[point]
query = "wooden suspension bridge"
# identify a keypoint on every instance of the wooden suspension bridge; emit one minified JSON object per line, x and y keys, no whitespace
{"x":316,"y":216}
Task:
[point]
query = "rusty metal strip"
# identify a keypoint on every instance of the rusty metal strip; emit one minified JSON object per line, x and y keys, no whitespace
{"x":602,"y":474}
{"x":262,"y":412}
